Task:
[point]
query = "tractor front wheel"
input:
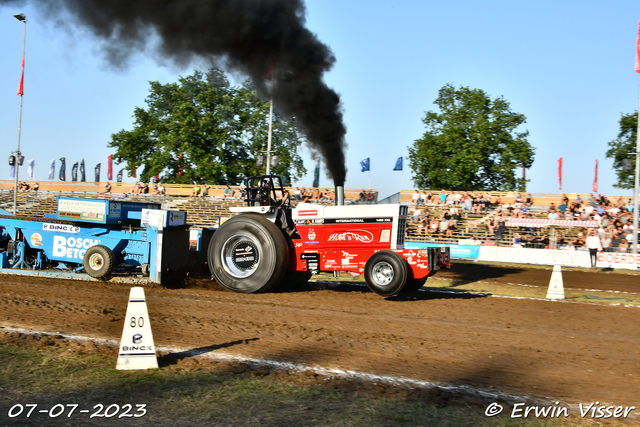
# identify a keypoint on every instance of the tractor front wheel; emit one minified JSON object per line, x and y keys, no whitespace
{"x":386,"y":273}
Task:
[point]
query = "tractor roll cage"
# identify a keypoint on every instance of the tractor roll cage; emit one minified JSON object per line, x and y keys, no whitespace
{"x":265,"y":190}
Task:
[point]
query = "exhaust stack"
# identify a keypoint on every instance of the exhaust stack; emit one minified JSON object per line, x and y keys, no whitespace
{"x":339,"y":195}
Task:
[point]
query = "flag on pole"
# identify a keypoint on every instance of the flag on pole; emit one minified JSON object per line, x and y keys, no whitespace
{"x":119,"y":177}
{"x":74,"y":172}
{"x":97,"y":172}
{"x":638,"y":50}
{"x":595,"y":181}
{"x":21,"y":87}
{"x":52,"y":169}
{"x":316,"y":172}
{"x":63,"y":169}
{"x":12,"y":171}
{"x":83,"y":176}
{"x":560,"y":173}
{"x":398,"y":166}
{"x":30,"y":168}
{"x":365,"y":164}
{"x":110,"y":167}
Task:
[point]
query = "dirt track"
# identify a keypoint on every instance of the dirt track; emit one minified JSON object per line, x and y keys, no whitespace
{"x":568,"y":351}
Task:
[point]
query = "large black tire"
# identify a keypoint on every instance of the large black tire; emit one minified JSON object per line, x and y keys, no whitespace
{"x":248,"y":254}
{"x":386,"y":273}
{"x":99,"y":262}
{"x":413,"y":285}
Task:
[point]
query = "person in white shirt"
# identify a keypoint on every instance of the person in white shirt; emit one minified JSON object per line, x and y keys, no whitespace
{"x":594,"y":245}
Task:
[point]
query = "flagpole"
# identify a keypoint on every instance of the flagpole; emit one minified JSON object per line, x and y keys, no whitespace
{"x":637,"y":185}
{"x":23,"y":18}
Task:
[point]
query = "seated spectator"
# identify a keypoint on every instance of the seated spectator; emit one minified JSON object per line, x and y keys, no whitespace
{"x":144,"y":189}
{"x":317,"y":195}
{"x":155,"y":191}
{"x":451,"y":228}
{"x":443,"y":197}
{"x":107,"y":188}
{"x":332,"y":196}
{"x":563,"y":208}
{"x":35,"y":188}
{"x":578,"y":243}
{"x":615,"y":241}
{"x":528,"y":201}
{"x":444,"y":225}
{"x":415,"y":198}
{"x":196,"y":191}
{"x":205,"y":191}
{"x":305,"y":195}
{"x":135,"y":189}
{"x":434,"y":225}
{"x":516,"y":239}
{"x":297,"y":194}
{"x":467,"y":202}
{"x":553,"y":214}
{"x":544,"y":241}
{"x":623,"y":247}
{"x":423,"y":225}
{"x":161,"y":189}
{"x":455,"y":216}
{"x":416,"y":215}
{"x":519,"y":199}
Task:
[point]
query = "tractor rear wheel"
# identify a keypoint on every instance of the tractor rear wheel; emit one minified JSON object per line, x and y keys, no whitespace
{"x":99,"y":262}
{"x":386,"y":273}
{"x":248,"y":254}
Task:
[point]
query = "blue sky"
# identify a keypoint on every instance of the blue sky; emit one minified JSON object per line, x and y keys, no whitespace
{"x":567,"y":66}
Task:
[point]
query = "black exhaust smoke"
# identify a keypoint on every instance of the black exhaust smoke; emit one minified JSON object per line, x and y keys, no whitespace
{"x":249,"y":36}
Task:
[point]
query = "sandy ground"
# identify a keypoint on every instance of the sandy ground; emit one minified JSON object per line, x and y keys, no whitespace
{"x":574,"y":352}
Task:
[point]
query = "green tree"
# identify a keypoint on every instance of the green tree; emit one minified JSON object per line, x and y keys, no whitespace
{"x":620,"y":148}
{"x":470,"y":144}
{"x":203,"y":130}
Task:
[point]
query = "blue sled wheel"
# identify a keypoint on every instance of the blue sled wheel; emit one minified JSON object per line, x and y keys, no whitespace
{"x":99,"y":262}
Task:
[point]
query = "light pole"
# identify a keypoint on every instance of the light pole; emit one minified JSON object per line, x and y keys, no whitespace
{"x":20,"y":17}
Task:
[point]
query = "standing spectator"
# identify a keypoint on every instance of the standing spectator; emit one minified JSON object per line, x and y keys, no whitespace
{"x":500,"y":229}
{"x":491,"y":226}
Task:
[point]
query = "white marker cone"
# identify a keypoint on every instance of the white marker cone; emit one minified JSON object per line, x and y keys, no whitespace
{"x":137,"y":350}
{"x":556,"y":288}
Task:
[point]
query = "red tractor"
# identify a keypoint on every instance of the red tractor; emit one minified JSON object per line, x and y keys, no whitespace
{"x":270,"y":244}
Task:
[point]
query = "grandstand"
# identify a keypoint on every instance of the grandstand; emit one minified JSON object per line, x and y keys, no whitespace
{"x":207,"y":211}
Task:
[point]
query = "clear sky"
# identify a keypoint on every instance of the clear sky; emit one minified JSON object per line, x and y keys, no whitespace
{"x":566,"y":65}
